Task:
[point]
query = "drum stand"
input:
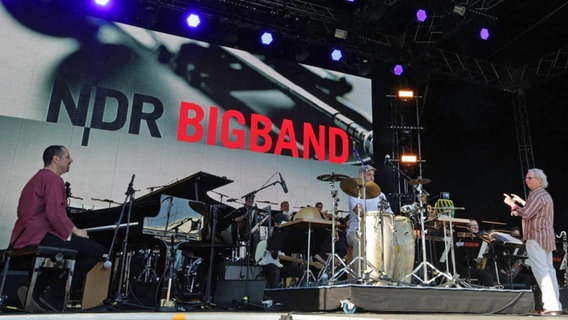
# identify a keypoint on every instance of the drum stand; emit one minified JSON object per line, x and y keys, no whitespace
{"x":331,"y":260}
{"x":361,"y":259}
{"x":424,"y":265}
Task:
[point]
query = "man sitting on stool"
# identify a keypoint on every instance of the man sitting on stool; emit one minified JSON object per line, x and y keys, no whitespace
{"x":42,"y":220}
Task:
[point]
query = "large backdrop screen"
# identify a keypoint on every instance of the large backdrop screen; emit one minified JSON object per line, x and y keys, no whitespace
{"x":128,"y":101}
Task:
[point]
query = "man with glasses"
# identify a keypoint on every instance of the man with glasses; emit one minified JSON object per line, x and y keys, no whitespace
{"x":537,"y":214}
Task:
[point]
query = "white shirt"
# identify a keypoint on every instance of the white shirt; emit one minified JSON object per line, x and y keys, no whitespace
{"x":371,"y":205}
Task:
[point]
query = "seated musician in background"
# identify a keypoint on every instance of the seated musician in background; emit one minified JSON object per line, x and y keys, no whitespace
{"x":42,"y":220}
{"x":283,"y":215}
{"x":276,"y":244}
{"x":324,"y":214}
{"x":468,"y":264}
{"x":241,"y":219}
{"x":357,"y":208}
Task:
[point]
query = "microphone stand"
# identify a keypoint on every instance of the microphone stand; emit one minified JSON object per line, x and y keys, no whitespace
{"x":129,"y":199}
{"x":207,"y":301}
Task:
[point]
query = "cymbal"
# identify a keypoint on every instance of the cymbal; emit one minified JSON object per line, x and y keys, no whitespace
{"x":332,"y":177}
{"x":353,"y":186}
{"x":419,"y":181}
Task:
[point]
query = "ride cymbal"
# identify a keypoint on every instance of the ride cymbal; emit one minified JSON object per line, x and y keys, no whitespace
{"x":354,"y":186}
{"x":332,"y":177}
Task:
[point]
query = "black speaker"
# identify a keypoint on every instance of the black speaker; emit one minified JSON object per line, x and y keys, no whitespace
{"x":229,"y":291}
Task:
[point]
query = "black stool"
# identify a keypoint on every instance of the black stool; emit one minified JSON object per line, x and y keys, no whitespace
{"x":43,"y":258}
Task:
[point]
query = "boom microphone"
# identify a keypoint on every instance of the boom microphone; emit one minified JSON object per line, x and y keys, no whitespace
{"x":283,"y":183}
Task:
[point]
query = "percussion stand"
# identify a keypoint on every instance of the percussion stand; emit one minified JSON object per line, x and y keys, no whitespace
{"x":424,"y":265}
{"x":361,"y":260}
{"x":334,"y":257}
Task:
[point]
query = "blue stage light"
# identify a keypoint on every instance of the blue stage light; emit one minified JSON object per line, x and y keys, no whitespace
{"x":102,"y":2}
{"x":266,"y":38}
{"x":193,"y":20}
{"x":336,"y":55}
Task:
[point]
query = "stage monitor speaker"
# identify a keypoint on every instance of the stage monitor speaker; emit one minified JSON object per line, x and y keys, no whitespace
{"x":229,"y":291}
{"x":239,"y":272}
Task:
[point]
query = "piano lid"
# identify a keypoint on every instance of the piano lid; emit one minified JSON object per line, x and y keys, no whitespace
{"x":192,"y":187}
{"x":177,"y":217}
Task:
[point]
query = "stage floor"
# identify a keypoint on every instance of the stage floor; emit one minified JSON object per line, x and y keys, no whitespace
{"x":260,"y":316}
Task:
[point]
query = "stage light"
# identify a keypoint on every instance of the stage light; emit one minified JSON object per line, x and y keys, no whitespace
{"x":408,"y":158}
{"x":340,"y":34}
{"x":102,"y":2}
{"x":266,"y":38}
{"x":484,"y":33}
{"x":421,"y":15}
{"x":193,"y":20}
{"x":336,"y":55}
{"x":398,"y":70}
{"x":405,"y":94}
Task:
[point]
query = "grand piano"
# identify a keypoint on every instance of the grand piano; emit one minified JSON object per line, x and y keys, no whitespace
{"x":194,"y":187}
{"x":177,"y":217}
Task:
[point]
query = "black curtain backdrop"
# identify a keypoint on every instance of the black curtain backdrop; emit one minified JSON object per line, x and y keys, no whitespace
{"x":470,"y":144}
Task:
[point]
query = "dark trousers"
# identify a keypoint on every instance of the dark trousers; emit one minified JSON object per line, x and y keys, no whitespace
{"x":89,"y":253}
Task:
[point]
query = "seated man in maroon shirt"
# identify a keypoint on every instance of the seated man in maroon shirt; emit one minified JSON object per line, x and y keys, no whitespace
{"x":42,"y":220}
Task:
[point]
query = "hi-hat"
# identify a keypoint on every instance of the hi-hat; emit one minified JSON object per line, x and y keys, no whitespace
{"x":354,"y":186}
{"x":332,"y":177}
{"x":419,"y":181}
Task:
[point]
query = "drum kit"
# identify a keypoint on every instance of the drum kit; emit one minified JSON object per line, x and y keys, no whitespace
{"x":386,"y":242}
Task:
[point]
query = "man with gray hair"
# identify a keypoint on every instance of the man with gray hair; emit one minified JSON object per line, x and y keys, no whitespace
{"x":537,"y":214}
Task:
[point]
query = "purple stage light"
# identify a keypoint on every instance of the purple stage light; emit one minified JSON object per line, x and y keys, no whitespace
{"x":336,"y":55}
{"x":421,"y":15}
{"x":484,"y":33}
{"x":193,"y":20}
{"x":398,"y":70}
{"x":266,"y":38}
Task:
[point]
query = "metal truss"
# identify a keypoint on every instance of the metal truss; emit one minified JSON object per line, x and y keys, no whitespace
{"x":549,"y":65}
{"x":474,"y":70}
{"x":522,"y":128}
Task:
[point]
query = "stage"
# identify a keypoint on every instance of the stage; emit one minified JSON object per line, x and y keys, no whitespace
{"x":353,"y":301}
{"x":262,"y":316}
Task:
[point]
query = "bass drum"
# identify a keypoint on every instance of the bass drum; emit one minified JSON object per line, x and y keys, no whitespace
{"x":398,"y":241}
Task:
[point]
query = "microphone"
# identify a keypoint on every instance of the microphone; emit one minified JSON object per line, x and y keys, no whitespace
{"x":107,"y":264}
{"x":283,"y":183}
{"x":130,"y":189}
{"x":387,"y":158}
